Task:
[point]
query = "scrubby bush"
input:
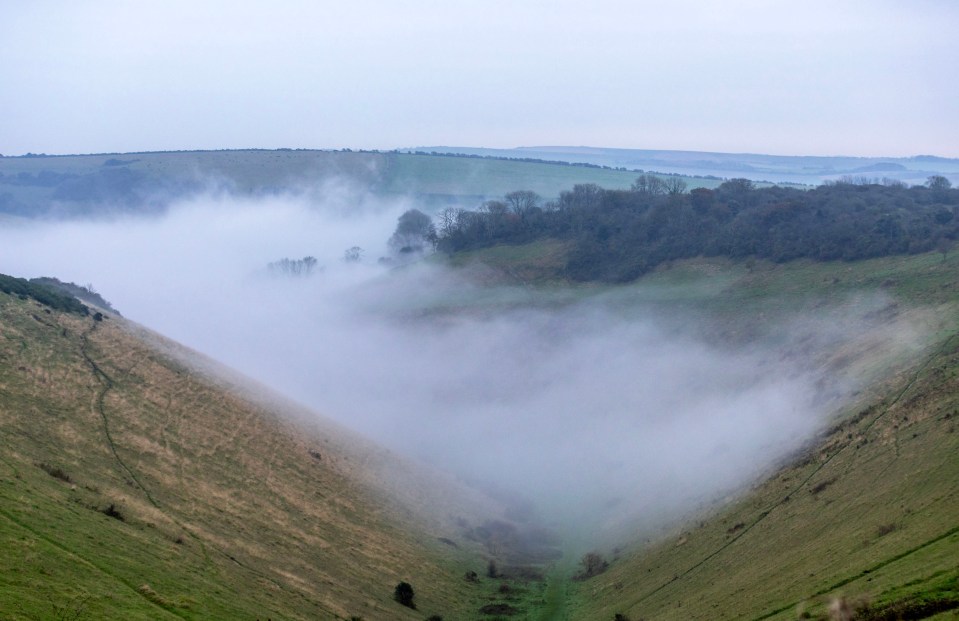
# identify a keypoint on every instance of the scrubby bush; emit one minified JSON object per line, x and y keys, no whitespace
{"x":114,"y":512}
{"x":55,"y":471}
{"x":23,"y":289}
{"x":403,"y":593}
{"x":593,"y":564}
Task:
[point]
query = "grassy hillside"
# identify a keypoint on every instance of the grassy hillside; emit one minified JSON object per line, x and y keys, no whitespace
{"x":869,"y":513}
{"x":758,"y":167}
{"x":82,"y":184}
{"x":135,"y":485}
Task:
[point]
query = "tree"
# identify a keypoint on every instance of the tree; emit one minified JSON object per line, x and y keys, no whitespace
{"x":649,"y":185}
{"x":353,"y":255}
{"x":674,"y":186}
{"x":413,"y":229}
{"x":449,"y":221}
{"x":522,"y":202}
{"x":938,"y":183}
{"x":291,"y":267}
{"x":593,"y":564}
{"x":403,"y":593}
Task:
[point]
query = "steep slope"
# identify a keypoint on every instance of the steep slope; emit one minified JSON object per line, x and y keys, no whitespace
{"x":869,"y":514}
{"x":136,"y":485}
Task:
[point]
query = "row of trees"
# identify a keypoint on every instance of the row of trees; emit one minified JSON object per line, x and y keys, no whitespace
{"x":617,"y":235}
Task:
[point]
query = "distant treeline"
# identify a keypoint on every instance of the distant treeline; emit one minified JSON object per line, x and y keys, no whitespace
{"x":618,"y":235}
{"x":43,"y":294}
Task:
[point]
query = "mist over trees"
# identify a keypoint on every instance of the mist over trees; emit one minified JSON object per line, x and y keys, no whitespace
{"x":292,"y":267}
{"x":414,"y":231}
{"x":618,"y":235}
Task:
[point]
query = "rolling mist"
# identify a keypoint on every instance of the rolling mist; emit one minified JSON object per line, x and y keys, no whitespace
{"x":598,"y":414}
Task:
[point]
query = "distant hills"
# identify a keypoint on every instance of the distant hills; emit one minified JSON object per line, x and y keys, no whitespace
{"x":38,"y":185}
{"x":806,"y":169}
{"x":80,"y":185}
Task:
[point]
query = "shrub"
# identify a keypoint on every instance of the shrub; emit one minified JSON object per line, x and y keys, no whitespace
{"x":114,"y":512}
{"x":403,"y":593}
{"x":55,"y":471}
{"x":593,"y":564}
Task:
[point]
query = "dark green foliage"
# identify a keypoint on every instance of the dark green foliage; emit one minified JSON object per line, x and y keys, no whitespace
{"x":618,"y":235}
{"x":498,"y":609}
{"x":114,"y":512}
{"x":85,"y":293}
{"x":42,"y":294}
{"x":592,"y":564}
{"x":55,"y":471}
{"x":403,"y":593}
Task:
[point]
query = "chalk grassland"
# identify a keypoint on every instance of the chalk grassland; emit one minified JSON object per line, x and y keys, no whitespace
{"x":134,"y":485}
{"x":29,"y":184}
{"x":869,"y":512}
{"x":777,"y":168}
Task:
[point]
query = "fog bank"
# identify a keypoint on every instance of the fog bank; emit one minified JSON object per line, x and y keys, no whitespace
{"x":593,"y":413}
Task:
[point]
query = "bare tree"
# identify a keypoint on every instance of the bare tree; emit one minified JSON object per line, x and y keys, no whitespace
{"x":674,"y":186}
{"x":449,"y":221}
{"x":593,"y":564}
{"x":353,"y":255}
{"x":649,"y":185}
{"x":522,"y":202}
{"x":938,"y":183}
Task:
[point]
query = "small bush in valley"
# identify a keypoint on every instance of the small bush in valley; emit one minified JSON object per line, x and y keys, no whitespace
{"x":114,"y":512}
{"x":403,"y":593}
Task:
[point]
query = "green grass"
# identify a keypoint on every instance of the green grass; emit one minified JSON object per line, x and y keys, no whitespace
{"x":229,"y":510}
{"x":433,"y":181}
{"x":227,"y":514}
{"x":429,"y":174}
{"x":884,"y":528}
{"x":870,"y":513}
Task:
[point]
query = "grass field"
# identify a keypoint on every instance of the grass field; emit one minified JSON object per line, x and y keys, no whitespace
{"x":869,"y":513}
{"x":88,"y":183}
{"x":138,"y":484}
{"x":135,"y":485}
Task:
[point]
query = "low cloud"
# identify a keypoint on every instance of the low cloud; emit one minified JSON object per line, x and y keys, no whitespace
{"x":595,"y":414}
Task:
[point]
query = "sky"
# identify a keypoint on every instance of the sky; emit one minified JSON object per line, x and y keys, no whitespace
{"x":781,"y":77}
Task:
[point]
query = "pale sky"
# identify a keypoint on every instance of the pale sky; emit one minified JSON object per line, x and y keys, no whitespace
{"x":783,"y":77}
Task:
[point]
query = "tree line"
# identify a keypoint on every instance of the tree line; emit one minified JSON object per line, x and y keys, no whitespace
{"x":618,"y":235}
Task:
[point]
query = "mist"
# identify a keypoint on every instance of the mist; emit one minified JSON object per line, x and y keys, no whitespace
{"x":597,"y":414}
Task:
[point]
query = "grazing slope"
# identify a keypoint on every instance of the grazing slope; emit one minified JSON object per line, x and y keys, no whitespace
{"x":870,"y":513}
{"x":94,"y":184}
{"x":135,"y":485}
